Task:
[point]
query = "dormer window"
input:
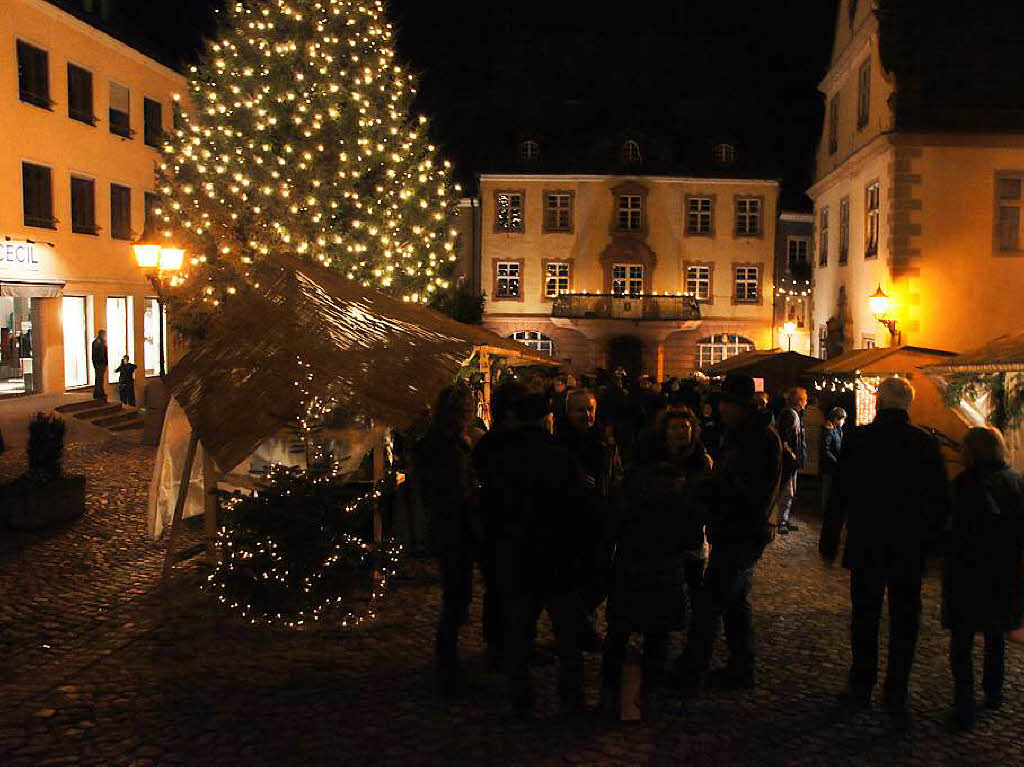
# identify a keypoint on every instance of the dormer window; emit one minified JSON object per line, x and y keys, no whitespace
{"x":529,"y":150}
{"x":724,"y":154}
{"x":631,"y":152}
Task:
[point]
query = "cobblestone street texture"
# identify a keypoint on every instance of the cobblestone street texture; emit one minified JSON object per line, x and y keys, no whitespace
{"x":100,"y":665}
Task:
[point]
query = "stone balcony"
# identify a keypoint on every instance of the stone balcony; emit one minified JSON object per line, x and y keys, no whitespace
{"x":636,"y":307}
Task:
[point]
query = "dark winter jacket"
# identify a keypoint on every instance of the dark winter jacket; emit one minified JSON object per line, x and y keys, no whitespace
{"x":831,"y":448}
{"x":983,"y":578}
{"x":443,"y":472}
{"x":742,"y":488}
{"x":892,"y":496}
{"x":99,"y":353}
{"x":659,"y":522}
{"x":794,"y":440}
{"x":126,"y":373}
{"x":533,"y":509}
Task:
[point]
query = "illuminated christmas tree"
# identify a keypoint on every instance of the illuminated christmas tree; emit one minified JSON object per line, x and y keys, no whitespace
{"x":299,"y":138}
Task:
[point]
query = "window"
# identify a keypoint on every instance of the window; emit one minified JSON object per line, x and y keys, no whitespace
{"x":153,"y":122}
{"x":119,"y":334}
{"x":120,"y":212}
{"x":698,"y":281}
{"x":83,"y":205}
{"x":535,"y":340}
{"x":628,"y":279}
{"x":796,"y":252}
{"x":154,"y":332}
{"x":1009,"y":201}
{"x":509,"y":274}
{"x":748,"y":217}
{"x":509,"y":214}
{"x":844,"y":230}
{"x":37,"y":190}
{"x":556,"y":278}
{"x":80,"y":95}
{"x":631,"y":152}
{"x":724,"y":154}
{"x":833,"y":125}
{"x":77,"y":366}
{"x":714,"y":349}
{"x":823,"y":237}
{"x":868,"y":342}
{"x":823,"y":342}
{"x":698,"y":215}
{"x":120,"y":111}
{"x":746,"y":285}
{"x":863,"y":94}
{"x":558,"y":212}
{"x":33,"y":75}
{"x":871,"y":220}
{"x":529,"y":150}
{"x":631,"y":212}
{"x":151,"y":222}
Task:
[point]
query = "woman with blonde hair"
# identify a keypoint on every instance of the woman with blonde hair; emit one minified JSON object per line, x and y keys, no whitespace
{"x":983,"y":580}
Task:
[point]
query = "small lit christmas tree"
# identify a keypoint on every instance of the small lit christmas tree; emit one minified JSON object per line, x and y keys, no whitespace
{"x":299,"y":138}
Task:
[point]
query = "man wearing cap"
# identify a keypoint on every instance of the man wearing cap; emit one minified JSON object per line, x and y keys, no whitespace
{"x":533,"y":493}
{"x":739,"y":495}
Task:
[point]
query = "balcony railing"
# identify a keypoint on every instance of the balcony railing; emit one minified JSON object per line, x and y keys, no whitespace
{"x":606,"y":306}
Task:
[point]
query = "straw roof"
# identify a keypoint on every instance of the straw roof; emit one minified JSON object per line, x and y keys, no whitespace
{"x":1000,"y":355}
{"x":310,"y":331}
{"x":886,"y":360}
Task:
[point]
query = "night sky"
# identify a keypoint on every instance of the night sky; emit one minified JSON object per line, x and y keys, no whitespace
{"x":492,"y":74}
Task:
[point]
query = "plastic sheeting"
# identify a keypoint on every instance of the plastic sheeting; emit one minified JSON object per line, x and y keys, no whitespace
{"x":167,"y":470}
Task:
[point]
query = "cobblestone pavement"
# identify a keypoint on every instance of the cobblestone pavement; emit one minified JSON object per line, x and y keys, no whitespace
{"x":137,"y":674}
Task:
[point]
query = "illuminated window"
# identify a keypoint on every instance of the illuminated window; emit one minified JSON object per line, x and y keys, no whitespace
{"x":557,"y":212}
{"x":714,"y":349}
{"x":509,"y":213}
{"x":556,"y":278}
{"x":535,"y":340}
{"x":628,"y":279}
{"x":154,"y":331}
{"x":698,"y":282}
{"x":748,"y":217}
{"x":871,"y":220}
{"x":119,"y":333}
{"x":508,"y":279}
{"x":631,"y":152}
{"x":746,"y":284}
{"x":77,"y":367}
{"x":698,"y":215}
{"x":844,"y":230}
{"x":1009,"y":203}
{"x":823,"y":237}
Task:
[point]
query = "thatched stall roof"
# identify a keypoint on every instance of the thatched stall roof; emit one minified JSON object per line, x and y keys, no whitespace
{"x":1000,"y":355}
{"x":883,"y":361}
{"x":310,"y":331}
{"x":779,"y":369}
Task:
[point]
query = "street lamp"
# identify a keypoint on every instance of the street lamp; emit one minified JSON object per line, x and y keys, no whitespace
{"x":789,"y":328}
{"x":157,"y":260}
{"x":880,"y":304}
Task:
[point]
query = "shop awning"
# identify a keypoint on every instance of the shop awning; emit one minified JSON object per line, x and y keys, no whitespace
{"x":16,"y":289}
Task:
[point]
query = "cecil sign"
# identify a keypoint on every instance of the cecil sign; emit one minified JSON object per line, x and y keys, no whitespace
{"x":18,"y":257}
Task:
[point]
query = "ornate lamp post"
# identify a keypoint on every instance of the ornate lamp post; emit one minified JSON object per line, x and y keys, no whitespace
{"x":789,"y":328}
{"x":158,"y":261}
{"x":880,"y":305}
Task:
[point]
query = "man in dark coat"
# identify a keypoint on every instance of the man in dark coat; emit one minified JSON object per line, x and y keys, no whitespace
{"x":532,"y":505}
{"x":794,"y":452}
{"x":893,"y":499}
{"x":739,"y":495}
{"x":99,"y":364}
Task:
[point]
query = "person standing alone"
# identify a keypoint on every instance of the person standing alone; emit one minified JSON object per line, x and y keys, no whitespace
{"x":99,"y":364}
{"x":794,"y":453}
{"x":126,"y":381}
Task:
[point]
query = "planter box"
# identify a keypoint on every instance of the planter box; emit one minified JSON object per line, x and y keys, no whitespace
{"x":29,"y":505}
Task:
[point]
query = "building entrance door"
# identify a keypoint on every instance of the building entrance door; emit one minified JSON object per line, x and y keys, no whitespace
{"x":626,"y":352}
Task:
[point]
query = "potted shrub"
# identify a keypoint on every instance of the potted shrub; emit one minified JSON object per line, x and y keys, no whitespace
{"x":43,"y":495}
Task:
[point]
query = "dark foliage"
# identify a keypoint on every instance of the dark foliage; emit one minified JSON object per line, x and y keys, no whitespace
{"x":45,"y":446}
{"x":460,"y":303}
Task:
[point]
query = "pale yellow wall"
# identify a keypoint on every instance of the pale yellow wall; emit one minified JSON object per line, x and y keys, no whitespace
{"x":90,"y":265}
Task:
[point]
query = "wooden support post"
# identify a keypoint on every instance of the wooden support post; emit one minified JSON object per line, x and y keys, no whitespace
{"x":179,"y":504}
{"x":378,"y":475}
{"x":210,"y":505}
{"x":485,"y":370}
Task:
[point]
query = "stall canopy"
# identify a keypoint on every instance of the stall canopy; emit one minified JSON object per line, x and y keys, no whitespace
{"x":882,"y":361}
{"x":310,"y":331}
{"x":1000,"y":355}
{"x":779,"y":370}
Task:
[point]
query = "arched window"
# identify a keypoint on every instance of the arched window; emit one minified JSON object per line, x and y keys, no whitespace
{"x":529,"y":150}
{"x":724,"y":154}
{"x":714,"y":349}
{"x":535,"y":340}
{"x":631,"y":152}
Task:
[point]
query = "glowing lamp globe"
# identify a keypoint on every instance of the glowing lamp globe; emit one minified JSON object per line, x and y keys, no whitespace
{"x":171,"y":259}
{"x":147,"y":254}
{"x":879,"y":303}
{"x":789,"y":328}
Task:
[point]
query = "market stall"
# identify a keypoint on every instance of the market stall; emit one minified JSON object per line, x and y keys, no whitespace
{"x":776,"y":369}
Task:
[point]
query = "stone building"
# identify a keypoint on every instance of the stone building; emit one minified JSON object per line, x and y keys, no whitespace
{"x":919,"y":187}
{"x":794,"y":250}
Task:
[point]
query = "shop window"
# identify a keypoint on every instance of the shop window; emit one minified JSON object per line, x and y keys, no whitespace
{"x":80,"y":95}
{"x":154,"y":333}
{"x":16,"y":357}
{"x":558,"y":212}
{"x":120,"y":212}
{"x":628,"y":279}
{"x":83,"y":205}
{"x":153,"y":122}
{"x":119,"y":333}
{"x":33,"y":75}
{"x":535,"y":340}
{"x":714,"y":349}
{"x":698,"y":215}
{"x":37,"y":192}
{"x":748,"y":217}
{"x":77,"y":365}
{"x":120,"y":111}
{"x":508,"y":211}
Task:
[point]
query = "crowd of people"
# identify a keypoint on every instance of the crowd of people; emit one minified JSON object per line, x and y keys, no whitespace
{"x":659,"y":501}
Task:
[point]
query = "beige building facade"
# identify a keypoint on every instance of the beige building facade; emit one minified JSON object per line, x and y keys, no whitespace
{"x":657,"y":274}
{"x":930,"y":218}
{"x":84,"y":117}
